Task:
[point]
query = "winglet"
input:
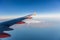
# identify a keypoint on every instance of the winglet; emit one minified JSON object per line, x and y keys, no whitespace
{"x":34,"y":14}
{"x":31,"y":15}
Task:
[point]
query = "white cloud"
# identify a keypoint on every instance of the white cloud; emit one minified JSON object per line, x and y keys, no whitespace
{"x":37,"y":16}
{"x":48,"y":16}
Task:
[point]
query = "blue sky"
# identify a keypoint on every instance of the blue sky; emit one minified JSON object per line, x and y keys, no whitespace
{"x":22,"y":7}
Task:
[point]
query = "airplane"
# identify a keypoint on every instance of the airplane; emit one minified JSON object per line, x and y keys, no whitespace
{"x":5,"y":26}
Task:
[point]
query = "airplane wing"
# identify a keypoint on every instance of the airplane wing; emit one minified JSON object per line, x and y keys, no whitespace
{"x":14,"y":21}
{"x":4,"y":26}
